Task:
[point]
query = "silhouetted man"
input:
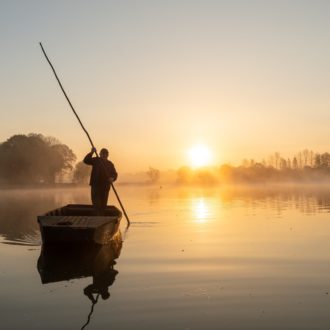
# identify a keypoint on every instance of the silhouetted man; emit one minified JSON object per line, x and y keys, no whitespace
{"x":103,"y":174}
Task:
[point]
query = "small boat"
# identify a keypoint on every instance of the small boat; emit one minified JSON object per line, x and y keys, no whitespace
{"x":77,"y":223}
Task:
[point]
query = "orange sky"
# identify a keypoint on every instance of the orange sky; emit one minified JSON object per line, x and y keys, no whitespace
{"x":152,"y":78}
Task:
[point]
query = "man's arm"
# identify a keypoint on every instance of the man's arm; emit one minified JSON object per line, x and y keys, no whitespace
{"x":89,"y":157}
{"x":113,"y":173}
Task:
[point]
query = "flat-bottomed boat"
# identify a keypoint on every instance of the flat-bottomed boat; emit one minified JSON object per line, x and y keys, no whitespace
{"x":77,"y":223}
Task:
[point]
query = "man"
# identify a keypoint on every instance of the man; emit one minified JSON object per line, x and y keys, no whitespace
{"x":103,"y":174}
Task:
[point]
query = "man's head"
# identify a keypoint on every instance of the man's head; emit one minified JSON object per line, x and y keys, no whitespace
{"x":104,"y":153}
{"x":105,"y":294}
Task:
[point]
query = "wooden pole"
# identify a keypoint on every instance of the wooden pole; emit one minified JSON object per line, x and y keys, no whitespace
{"x":83,"y":127}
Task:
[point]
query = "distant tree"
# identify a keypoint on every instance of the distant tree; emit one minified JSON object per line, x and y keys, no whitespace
{"x":277,"y":158}
{"x":271,"y":162}
{"x":153,"y":174}
{"x":288,"y":162}
{"x":305,"y":154}
{"x":283,"y":164}
{"x":81,"y":173}
{"x":294,"y":163}
{"x":305,"y":166}
{"x":33,"y":158}
{"x":311,"y":158}
{"x":317,"y":160}
{"x":245,"y":163}
{"x":205,"y":176}
{"x":325,"y":160}
{"x":184,"y":175}
{"x":300,"y":160}
{"x":227,"y":173}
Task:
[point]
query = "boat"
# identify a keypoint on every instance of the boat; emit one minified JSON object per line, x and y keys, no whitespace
{"x":78,"y":224}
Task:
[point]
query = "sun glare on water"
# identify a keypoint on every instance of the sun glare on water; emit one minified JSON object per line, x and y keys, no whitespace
{"x":199,"y":155}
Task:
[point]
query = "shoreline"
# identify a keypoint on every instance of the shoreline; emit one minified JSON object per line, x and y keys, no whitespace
{"x":161,"y":185}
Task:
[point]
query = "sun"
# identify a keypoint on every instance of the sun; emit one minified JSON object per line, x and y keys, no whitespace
{"x":199,"y":155}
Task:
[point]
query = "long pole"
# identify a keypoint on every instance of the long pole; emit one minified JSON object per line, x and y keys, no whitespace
{"x":83,"y":127}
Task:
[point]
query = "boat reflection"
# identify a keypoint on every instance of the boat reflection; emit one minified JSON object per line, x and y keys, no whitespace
{"x":64,"y":263}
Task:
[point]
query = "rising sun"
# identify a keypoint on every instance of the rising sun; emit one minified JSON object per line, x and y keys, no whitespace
{"x":199,"y":155}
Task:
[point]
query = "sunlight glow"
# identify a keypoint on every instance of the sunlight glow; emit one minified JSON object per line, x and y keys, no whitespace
{"x":199,"y":155}
{"x":200,"y":210}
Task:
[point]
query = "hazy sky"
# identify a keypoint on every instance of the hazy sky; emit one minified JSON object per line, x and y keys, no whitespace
{"x":152,"y":78}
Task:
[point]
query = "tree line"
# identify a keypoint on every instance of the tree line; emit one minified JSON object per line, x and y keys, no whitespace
{"x":305,"y":166}
{"x":303,"y":159}
{"x":38,"y":159}
{"x":34,"y":158}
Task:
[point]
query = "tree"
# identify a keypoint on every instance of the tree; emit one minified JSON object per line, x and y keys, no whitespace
{"x":205,"y":176}
{"x":60,"y":160}
{"x":306,"y":156}
{"x":288,"y":163}
{"x":245,"y":163}
{"x":317,"y":160}
{"x":184,"y":175}
{"x":294,"y":163}
{"x":300,"y":160}
{"x":33,"y":158}
{"x":277,"y":157}
{"x":81,"y":173}
{"x":311,"y":158}
{"x":271,"y":161}
{"x":153,"y":174}
{"x":325,"y":160}
{"x":283,"y":164}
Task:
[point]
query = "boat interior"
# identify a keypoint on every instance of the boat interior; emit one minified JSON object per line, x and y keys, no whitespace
{"x":82,"y":210}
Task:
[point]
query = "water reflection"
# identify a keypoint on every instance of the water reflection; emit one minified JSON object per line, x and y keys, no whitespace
{"x":65,"y":263}
{"x":200,"y":209}
{"x":240,"y":267}
{"x":307,"y":199}
{"x":19,"y":208}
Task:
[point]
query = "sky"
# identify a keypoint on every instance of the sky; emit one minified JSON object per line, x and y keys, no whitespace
{"x":150,"y":79}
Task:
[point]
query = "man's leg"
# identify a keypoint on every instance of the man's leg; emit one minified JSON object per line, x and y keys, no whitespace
{"x":93,"y":195}
{"x":96,"y":199}
{"x":104,"y":199}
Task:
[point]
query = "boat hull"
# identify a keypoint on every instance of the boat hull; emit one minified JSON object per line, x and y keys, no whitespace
{"x":78,"y":224}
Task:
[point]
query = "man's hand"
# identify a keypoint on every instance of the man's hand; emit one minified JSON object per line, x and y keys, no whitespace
{"x":111,"y":179}
{"x":93,"y":150}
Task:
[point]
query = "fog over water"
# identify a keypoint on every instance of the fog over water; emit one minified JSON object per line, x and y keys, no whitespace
{"x":252,"y":257}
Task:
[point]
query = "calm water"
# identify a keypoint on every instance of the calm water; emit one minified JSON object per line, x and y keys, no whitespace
{"x":192,"y":259}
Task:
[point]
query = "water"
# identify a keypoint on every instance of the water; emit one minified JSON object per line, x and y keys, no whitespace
{"x":229,"y":258}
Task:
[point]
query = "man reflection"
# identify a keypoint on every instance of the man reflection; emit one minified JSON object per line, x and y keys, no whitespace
{"x":101,"y":283}
{"x":103,"y":274}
